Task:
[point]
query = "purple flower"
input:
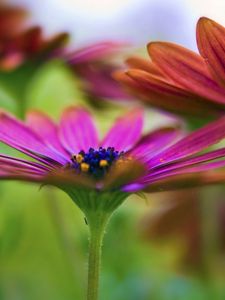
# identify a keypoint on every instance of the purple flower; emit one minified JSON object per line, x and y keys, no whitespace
{"x":94,"y":64}
{"x":100,"y":175}
{"x":71,"y":157}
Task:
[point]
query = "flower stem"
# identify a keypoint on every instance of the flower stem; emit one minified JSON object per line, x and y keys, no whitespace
{"x":97,"y":224}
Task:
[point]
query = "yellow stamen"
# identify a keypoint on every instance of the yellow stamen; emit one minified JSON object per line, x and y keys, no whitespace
{"x":79,"y":158}
{"x":85,"y":167}
{"x":103,"y":163}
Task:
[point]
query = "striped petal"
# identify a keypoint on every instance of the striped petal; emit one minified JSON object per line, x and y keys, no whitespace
{"x":77,"y":131}
{"x":13,"y":163}
{"x":166,"y":95}
{"x":136,"y":62}
{"x":188,"y":180}
{"x":125,"y":132}
{"x":155,"y":142}
{"x":19,"y":136}
{"x":187,"y":69}
{"x":191,"y":144}
{"x":187,"y":163}
{"x":205,"y":167}
{"x":18,"y":169}
{"x":42,"y":125}
{"x":211,"y":44}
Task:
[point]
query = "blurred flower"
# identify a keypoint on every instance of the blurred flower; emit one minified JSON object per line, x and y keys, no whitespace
{"x":19,"y":44}
{"x":12,"y":21}
{"x":71,"y":157}
{"x":179,"y":80}
{"x":95,"y":64}
{"x":180,"y":215}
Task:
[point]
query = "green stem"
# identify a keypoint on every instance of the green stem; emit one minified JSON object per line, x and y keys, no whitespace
{"x":97,"y":224}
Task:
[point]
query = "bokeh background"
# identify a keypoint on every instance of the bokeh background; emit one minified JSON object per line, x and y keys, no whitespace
{"x":169,"y":246}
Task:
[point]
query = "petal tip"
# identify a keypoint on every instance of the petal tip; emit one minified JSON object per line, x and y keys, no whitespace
{"x":205,"y":23}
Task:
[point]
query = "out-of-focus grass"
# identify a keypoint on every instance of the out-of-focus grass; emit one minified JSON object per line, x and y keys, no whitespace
{"x":44,"y":250}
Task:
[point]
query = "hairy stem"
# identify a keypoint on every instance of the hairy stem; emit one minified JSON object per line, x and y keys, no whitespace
{"x":97,"y":224}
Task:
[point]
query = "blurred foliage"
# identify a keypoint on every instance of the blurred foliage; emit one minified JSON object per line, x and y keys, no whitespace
{"x":53,"y":88}
{"x":44,"y":248}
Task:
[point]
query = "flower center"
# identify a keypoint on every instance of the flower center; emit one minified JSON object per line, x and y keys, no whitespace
{"x":95,"y":162}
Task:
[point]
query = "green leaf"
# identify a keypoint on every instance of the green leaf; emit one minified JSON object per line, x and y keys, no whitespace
{"x":7,"y":101}
{"x":53,"y":88}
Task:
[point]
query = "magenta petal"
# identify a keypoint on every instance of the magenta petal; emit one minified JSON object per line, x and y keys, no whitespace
{"x":27,"y":176}
{"x":42,"y":125}
{"x":19,"y":136}
{"x":93,"y":52}
{"x":191,"y":144}
{"x":100,"y":83}
{"x":13,"y":162}
{"x":187,"y":170}
{"x":190,"y":162}
{"x":77,"y":131}
{"x":133,"y":187}
{"x":125,"y":132}
{"x":219,"y":153}
{"x":155,"y":142}
{"x":13,"y":168}
{"x":21,"y":174}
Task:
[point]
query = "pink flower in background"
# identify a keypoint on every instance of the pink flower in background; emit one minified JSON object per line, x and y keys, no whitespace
{"x":94,"y":64}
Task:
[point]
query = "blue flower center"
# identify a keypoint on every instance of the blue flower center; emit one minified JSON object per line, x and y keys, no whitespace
{"x":95,"y":162}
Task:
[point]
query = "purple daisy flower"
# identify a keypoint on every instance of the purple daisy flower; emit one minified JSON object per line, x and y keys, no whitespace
{"x":100,"y":175}
{"x":71,"y":153}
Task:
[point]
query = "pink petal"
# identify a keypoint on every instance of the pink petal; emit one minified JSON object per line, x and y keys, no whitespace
{"x":94,"y":52}
{"x":19,"y":136}
{"x":125,"y":132}
{"x":13,"y":162}
{"x":191,"y":144}
{"x":155,"y":142}
{"x":187,"y":163}
{"x":187,"y":170}
{"x":186,"y":180}
{"x":77,"y":131}
{"x":42,"y":125}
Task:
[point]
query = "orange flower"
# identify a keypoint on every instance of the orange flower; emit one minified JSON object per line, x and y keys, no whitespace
{"x":179,"y":80}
